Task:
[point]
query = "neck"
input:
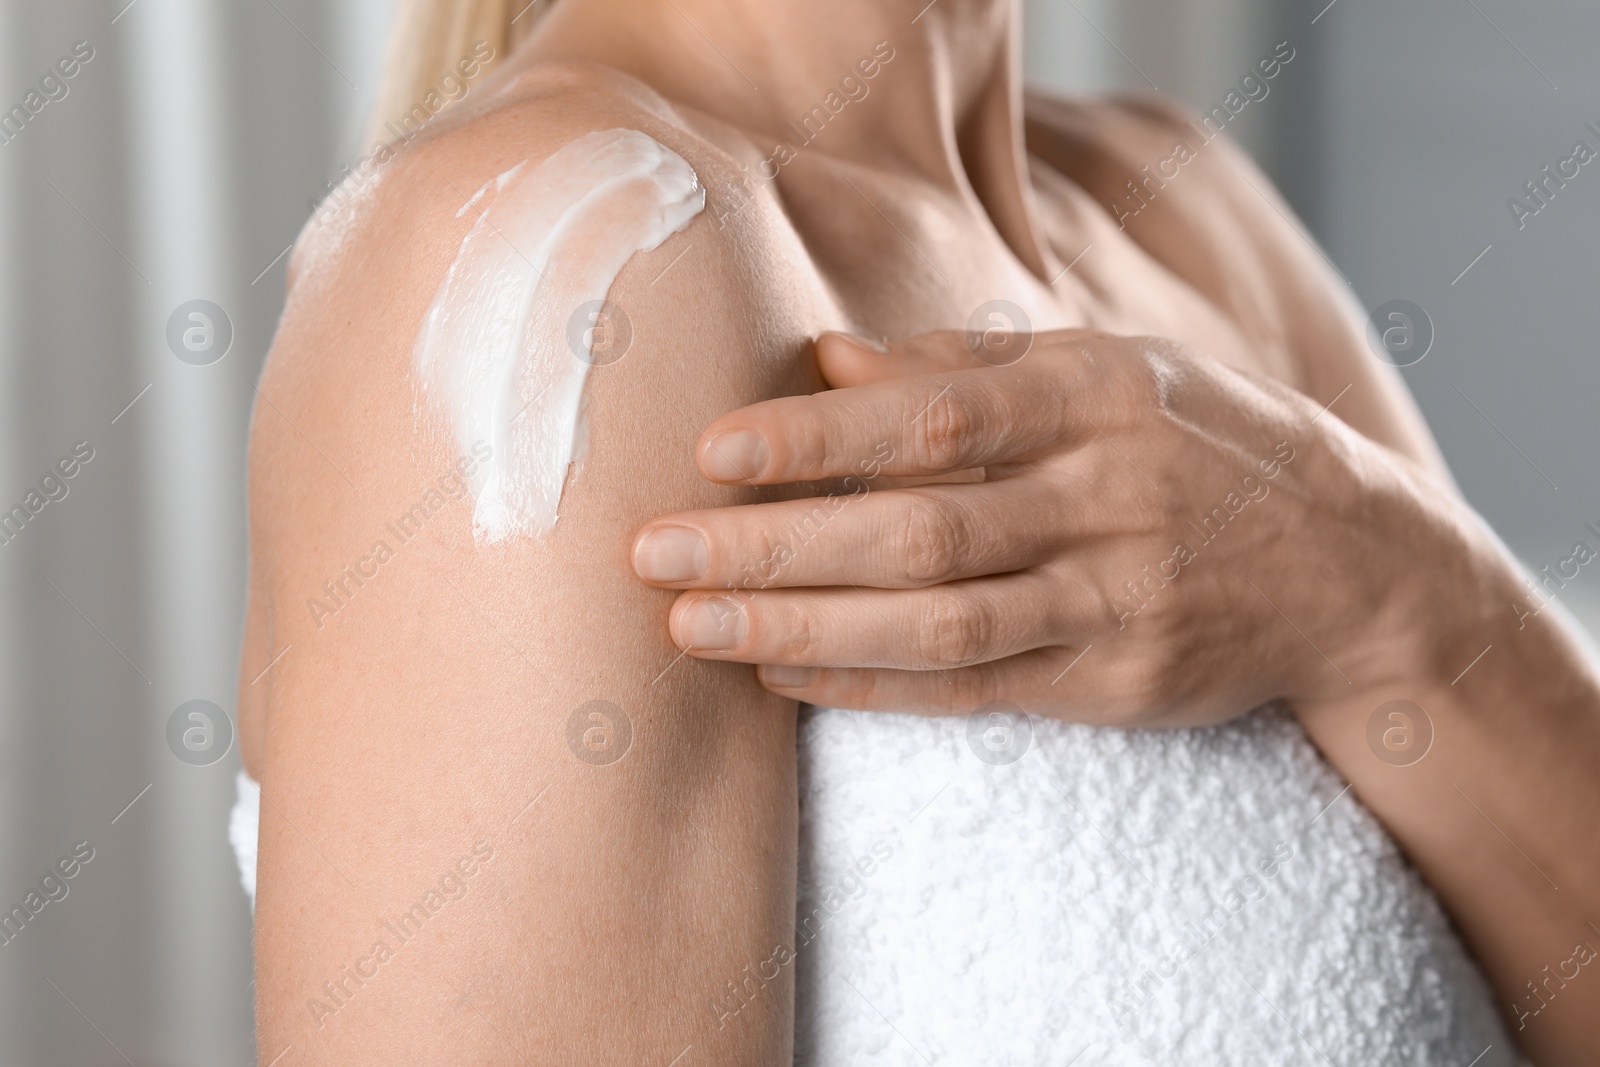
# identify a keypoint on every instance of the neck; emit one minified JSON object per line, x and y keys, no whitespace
{"x":946,"y":105}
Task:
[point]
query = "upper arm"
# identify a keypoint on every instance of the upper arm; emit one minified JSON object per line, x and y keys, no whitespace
{"x":423,"y":747}
{"x":1221,"y":226}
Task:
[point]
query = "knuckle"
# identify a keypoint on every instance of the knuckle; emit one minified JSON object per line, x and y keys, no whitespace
{"x":762,"y":544}
{"x":941,"y":434}
{"x":954,"y":630}
{"x":1160,"y":373}
{"x":1172,"y":658}
{"x":932,"y":540}
{"x":971,"y":688}
{"x":1136,"y":381}
{"x":864,"y":688}
{"x":820,"y":439}
{"x":1128,"y":393}
{"x":796,"y":638}
{"x":1133,"y":679}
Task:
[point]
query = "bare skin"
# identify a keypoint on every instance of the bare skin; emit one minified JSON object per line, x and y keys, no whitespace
{"x":432,"y":709}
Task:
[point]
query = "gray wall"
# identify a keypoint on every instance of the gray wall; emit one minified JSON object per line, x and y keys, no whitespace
{"x":179,"y":166}
{"x":1434,"y":121}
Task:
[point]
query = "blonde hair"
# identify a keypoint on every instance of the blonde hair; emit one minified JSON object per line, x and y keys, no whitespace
{"x":431,"y":37}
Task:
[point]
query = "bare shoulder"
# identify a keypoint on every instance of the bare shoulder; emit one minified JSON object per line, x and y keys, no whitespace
{"x":340,"y":371}
{"x":1187,"y":196}
{"x":1177,"y":186}
{"x":422,"y":185}
{"x":342,"y":440}
{"x":431,"y":686}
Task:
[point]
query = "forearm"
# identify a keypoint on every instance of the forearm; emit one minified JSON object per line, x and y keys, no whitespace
{"x":1500,"y":812}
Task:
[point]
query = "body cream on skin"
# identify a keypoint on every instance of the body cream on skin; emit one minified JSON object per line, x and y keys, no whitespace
{"x":499,"y":351}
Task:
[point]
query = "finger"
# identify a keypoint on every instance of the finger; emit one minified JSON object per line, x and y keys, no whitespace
{"x":928,"y":424}
{"x":888,"y":539}
{"x":1023,"y":680}
{"x":951,"y":625}
{"x":847,"y":360}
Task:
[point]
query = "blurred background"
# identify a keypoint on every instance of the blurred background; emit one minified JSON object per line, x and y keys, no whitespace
{"x":183,"y":158}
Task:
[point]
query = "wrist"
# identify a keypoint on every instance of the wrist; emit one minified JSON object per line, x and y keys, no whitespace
{"x":1435,"y":585}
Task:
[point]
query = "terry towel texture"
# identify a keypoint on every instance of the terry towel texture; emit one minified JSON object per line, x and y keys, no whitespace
{"x":1109,"y":899}
{"x":1108,"y":896}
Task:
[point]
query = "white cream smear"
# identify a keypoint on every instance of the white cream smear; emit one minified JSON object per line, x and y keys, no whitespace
{"x":507,"y":344}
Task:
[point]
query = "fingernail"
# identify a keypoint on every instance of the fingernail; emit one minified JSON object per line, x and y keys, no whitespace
{"x":784,"y":676}
{"x":735,"y":456}
{"x":670,"y":554}
{"x":862,"y":342}
{"x":711,"y":625}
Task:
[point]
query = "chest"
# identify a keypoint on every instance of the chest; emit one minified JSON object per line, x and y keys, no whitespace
{"x":899,"y":258}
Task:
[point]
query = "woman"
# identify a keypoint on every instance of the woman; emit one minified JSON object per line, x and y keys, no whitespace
{"x":519,"y":804}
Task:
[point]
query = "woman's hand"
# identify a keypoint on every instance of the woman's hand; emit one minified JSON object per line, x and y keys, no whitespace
{"x":1155,"y":539}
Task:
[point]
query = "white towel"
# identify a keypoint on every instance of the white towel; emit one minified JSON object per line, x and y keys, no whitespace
{"x":1042,"y":910}
{"x":1103,"y":900}
{"x":244,"y":831}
